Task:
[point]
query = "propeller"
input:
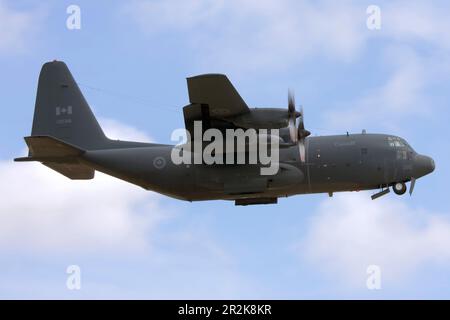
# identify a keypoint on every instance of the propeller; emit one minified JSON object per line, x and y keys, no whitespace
{"x":297,"y":134}
{"x":411,"y":187}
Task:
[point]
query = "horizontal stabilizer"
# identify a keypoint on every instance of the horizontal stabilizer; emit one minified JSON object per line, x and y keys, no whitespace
{"x":74,"y":171}
{"x":46,"y":146}
{"x":57,"y":155}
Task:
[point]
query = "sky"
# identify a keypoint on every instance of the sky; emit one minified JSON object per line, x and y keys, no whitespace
{"x":131,"y":60}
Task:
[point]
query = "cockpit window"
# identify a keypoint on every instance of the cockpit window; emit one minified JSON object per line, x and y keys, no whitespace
{"x":396,"y":142}
{"x":399,"y":143}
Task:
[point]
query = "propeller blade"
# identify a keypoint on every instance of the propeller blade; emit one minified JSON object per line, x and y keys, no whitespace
{"x":302,"y":150}
{"x":291,"y":102}
{"x":297,"y":134}
{"x":292,"y":130}
{"x":301,"y":131}
{"x":292,"y":115}
{"x":411,"y":187}
{"x":301,"y":124}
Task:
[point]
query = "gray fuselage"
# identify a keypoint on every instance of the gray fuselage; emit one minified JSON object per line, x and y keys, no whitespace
{"x":333,"y":164}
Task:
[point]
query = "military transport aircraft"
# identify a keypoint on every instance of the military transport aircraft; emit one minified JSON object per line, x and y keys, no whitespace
{"x":67,"y":138}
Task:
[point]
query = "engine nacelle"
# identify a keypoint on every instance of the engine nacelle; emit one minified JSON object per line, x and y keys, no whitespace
{"x":262,"y":118}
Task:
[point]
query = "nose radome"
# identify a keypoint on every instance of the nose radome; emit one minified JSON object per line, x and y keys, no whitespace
{"x":423,"y":165}
{"x":433,"y":165}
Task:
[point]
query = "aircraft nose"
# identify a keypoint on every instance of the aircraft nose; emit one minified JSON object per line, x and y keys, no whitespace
{"x":423,"y":165}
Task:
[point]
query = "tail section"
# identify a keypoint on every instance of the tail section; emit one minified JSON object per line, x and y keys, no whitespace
{"x":62,"y":112}
{"x":64,"y":127}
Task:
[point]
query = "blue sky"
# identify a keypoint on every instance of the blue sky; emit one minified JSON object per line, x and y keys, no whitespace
{"x":131,"y":60}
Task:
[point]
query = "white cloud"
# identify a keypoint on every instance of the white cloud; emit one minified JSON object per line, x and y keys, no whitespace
{"x":16,"y":28}
{"x":43,"y":210}
{"x":241,"y":36}
{"x":115,"y":130}
{"x":401,"y":95}
{"x":253,"y":34}
{"x":107,"y":224}
{"x":173,"y":14}
{"x":350,"y":232}
{"x":270,"y":34}
{"x":417,"y":53}
{"x":407,"y":21}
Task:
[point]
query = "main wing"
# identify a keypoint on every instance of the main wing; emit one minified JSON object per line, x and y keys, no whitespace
{"x":214,"y":101}
{"x":217,"y":92}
